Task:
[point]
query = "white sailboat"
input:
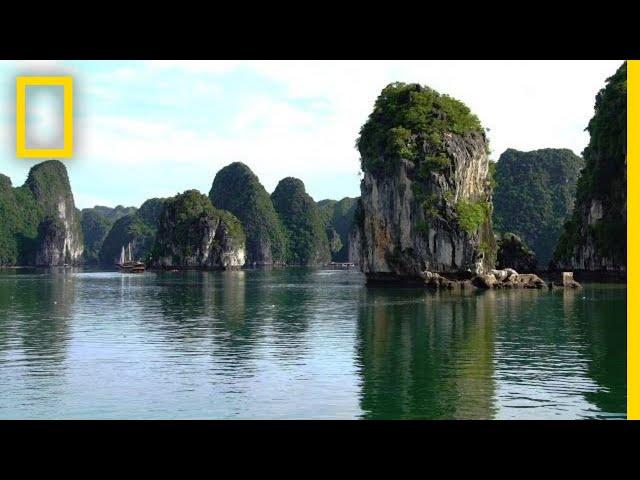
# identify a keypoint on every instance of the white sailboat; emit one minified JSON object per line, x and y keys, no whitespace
{"x":127,"y":264}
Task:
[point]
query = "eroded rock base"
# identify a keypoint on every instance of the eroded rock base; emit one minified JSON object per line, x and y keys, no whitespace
{"x":496,"y":279}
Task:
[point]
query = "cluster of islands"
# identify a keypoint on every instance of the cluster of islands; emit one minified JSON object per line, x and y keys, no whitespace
{"x":433,"y":210}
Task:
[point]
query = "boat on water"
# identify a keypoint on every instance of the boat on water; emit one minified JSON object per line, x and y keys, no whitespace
{"x":127,"y":264}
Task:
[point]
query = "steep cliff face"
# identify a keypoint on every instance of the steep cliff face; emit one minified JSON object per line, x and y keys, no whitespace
{"x":534,"y":196}
{"x":39,"y":221}
{"x":595,"y":236}
{"x":60,"y":238}
{"x":307,"y":239}
{"x":138,"y":229}
{"x":337,"y":217}
{"x":426,"y":197}
{"x":192,"y":233}
{"x":237,"y":189}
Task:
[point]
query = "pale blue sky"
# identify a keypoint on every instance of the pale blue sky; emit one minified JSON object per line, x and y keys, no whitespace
{"x":149,"y":129}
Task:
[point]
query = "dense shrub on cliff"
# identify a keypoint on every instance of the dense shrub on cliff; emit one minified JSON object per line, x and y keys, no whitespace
{"x":138,"y":228}
{"x":337,"y":217}
{"x":534,"y":195}
{"x":193,"y":233}
{"x":46,"y":194}
{"x":307,"y":239}
{"x":237,"y":189}
{"x":19,"y":218}
{"x":96,"y":223}
{"x":595,"y":235}
{"x":410,"y":121}
{"x":426,"y":193}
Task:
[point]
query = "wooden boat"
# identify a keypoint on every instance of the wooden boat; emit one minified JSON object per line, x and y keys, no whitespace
{"x":127,"y":264}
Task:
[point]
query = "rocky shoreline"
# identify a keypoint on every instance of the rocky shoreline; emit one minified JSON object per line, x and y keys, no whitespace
{"x":506,"y":278}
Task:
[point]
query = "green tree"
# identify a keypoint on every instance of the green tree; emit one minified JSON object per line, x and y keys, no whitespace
{"x":307,"y":239}
{"x":138,"y":228}
{"x":237,"y":189}
{"x":338,"y":218}
{"x":409,"y":121}
{"x":603,"y":181}
{"x":534,"y":195}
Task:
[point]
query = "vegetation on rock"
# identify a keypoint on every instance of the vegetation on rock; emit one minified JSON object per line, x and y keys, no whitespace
{"x":138,"y":228}
{"x":189,"y":225}
{"x":96,"y":223}
{"x":238,"y":190}
{"x":45,"y":197}
{"x":426,"y":195}
{"x":20,"y":215}
{"x":514,"y":253}
{"x":410,"y":121}
{"x":472,"y":214}
{"x":338,"y":218}
{"x":306,"y":236}
{"x":534,"y":195}
{"x":595,"y":235}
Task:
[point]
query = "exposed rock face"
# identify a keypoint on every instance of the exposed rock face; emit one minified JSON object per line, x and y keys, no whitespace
{"x":513,"y":253}
{"x":39,"y":224}
{"x":335,"y":244}
{"x":426,"y":198}
{"x":509,"y":278}
{"x":194,"y":234}
{"x":307,"y":239}
{"x":60,"y":239}
{"x":495,"y":279}
{"x":52,"y":243}
{"x":237,"y":189}
{"x":595,"y":236}
{"x":534,"y":195}
{"x":138,"y":229}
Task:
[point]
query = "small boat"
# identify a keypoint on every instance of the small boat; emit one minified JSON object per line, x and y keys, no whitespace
{"x":127,"y":264}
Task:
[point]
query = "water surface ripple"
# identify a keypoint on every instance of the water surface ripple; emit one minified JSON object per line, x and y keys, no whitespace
{"x":302,"y":343}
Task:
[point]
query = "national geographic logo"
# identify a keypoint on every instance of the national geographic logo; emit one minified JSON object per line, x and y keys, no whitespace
{"x":26,"y":146}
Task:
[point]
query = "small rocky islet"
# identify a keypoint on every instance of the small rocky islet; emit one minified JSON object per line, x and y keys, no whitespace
{"x":433,"y":210}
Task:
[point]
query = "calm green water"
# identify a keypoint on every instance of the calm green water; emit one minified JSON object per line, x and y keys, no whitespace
{"x":302,"y":343}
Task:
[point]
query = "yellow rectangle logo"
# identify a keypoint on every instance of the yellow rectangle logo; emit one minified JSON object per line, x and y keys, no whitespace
{"x":21,"y":118}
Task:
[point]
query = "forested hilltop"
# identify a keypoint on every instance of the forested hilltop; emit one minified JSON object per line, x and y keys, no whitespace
{"x":594,"y":238}
{"x":307,"y":243}
{"x":39,"y":223}
{"x":237,"y":189}
{"x":533,"y":196}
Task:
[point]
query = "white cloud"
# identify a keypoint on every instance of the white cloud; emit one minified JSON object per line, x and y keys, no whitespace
{"x":195,"y":66}
{"x":178,"y":122}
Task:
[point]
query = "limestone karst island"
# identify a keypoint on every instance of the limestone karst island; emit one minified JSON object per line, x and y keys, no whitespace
{"x":407,"y":301}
